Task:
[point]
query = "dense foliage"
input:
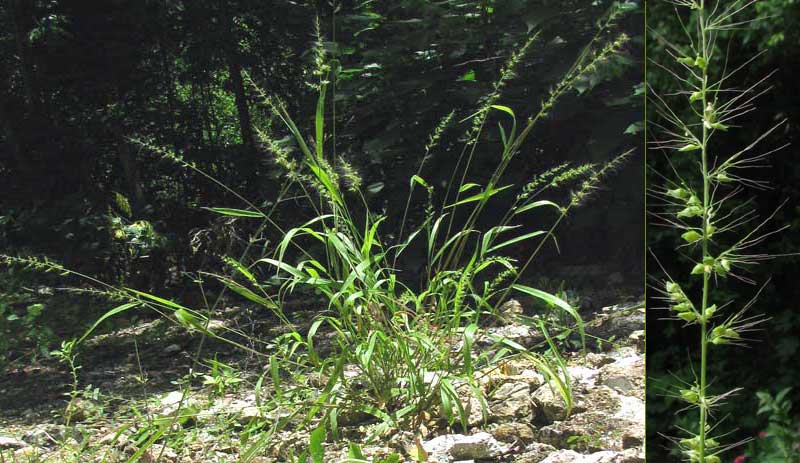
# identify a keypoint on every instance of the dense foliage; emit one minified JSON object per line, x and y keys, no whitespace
{"x":84,"y":82}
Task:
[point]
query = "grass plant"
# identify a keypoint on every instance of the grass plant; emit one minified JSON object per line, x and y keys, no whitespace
{"x":702,"y":199}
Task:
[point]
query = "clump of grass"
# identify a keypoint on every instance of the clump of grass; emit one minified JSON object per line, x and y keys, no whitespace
{"x":702,"y":202}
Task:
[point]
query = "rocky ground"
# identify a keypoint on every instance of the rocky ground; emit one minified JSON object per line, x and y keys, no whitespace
{"x":524,"y":420}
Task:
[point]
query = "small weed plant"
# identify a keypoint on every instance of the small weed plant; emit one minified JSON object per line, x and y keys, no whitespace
{"x":701,"y":198}
{"x":780,"y":441}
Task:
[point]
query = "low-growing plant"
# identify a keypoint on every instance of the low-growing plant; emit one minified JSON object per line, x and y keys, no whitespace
{"x":780,"y":441}
{"x":68,"y":355}
{"x":21,"y":321}
{"x":700,"y":198}
{"x":222,"y":377}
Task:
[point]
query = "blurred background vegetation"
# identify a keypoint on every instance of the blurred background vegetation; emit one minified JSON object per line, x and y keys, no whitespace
{"x":769,"y":363}
{"x":81,"y":79}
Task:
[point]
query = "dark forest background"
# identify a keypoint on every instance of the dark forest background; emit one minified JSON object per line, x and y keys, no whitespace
{"x":771,"y":362}
{"x":81,"y":80}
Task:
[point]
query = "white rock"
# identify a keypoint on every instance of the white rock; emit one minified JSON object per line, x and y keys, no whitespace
{"x":520,"y":334}
{"x":550,"y":402}
{"x":510,"y":310}
{"x":170,"y":402}
{"x":626,"y":375}
{"x":216,"y":325}
{"x":571,"y":456}
{"x":513,"y":432}
{"x":582,"y":375}
{"x":7,"y":442}
{"x":481,"y":446}
{"x":534,"y":453}
{"x":158,"y":453}
{"x":172,"y":349}
{"x":173,"y":398}
{"x":512,"y":400}
{"x":638,"y":339}
{"x":631,"y":408}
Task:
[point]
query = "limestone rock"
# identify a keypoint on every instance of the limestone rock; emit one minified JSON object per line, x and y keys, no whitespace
{"x":159,"y":454}
{"x":481,"y":446}
{"x":172,"y":349}
{"x":171,"y":402}
{"x":607,"y":456}
{"x":626,"y":375}
{"x":513,"y":432}
{"x":582,"y":376}
{"x":8,"y":442}
{"x":534,"y":453}
{"x":638,"y":339}
{"x":512,"y":400}
{"x":520,"y":334}
{"x":510,"y":310}
{"x":618,"y":321}
{"x":598,"y":360}
{"x":46,"y":435}
{"x":550,"y":403}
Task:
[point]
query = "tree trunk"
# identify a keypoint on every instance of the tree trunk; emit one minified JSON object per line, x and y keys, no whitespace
{"x":235,"y":71}
{"x":130,"y":170}
{"x":23,"y":22}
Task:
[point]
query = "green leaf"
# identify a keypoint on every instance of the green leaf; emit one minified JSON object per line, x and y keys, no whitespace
{"x":274,"y":373}
{"x":469,"y":340}
{"x":536,"y":204}
{"x":486,"y":194}
{"x":242,"y":269}
{"x":467,"y":187}
{"x":160,"y":300}
{"x":319,"y":121}
{"x":315,"y":445}
{"x":468,"y":76}
{"x":354,"y":451}
{"x":325,"y":179}
{"x":524,"y":237}
{"x":106,"y":316}
{"x":505,"y":109}
{"x":557,"y":302}
{"x":247,"y":293}
{"x":375,"y":188}
{"x":634,"y":128}
{"x":235,"y":212}
{"x":420,"y":180}
{"x":188,"y":320}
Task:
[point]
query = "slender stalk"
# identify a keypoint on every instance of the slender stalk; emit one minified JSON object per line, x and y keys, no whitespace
{"x":703,"y":405}
{"x":684,"y":202}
